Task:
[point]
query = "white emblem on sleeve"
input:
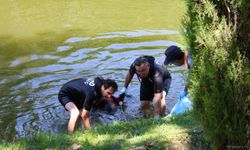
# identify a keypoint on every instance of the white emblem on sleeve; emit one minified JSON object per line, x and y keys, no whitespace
{"x":90,"y":82}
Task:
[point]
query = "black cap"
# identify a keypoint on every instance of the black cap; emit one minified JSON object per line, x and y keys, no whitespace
{"x":172,"y":53}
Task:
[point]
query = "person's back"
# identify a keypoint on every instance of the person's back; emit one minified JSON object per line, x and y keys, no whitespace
{"x":162,"y":70}
{"x":82,"y":91}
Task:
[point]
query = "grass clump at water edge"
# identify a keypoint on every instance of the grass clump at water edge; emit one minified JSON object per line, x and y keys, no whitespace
{"x":166,"y":133}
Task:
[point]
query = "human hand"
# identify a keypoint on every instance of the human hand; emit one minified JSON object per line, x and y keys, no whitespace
{"x":121,"y":98}
{"x":120,"y":103}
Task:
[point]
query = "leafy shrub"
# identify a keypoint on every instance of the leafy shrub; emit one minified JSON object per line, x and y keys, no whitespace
{"x":218,"y":33}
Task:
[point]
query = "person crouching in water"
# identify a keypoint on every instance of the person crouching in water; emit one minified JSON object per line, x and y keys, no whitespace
{"x":78,"y":96}
{"x":155,"y":82}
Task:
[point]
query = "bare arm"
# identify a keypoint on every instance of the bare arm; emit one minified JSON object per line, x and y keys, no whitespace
{"x":186,"y":59}
{"x":85,"y":118}
{"x":128,"y":79}
{"x":186,"y":66}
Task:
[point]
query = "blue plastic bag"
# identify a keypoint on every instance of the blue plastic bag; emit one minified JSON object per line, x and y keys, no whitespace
{"x":182,"y":105}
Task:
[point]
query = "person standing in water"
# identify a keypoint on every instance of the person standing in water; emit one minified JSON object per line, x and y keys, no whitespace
{"x":178,"y":56}
{"x":155,"y":82}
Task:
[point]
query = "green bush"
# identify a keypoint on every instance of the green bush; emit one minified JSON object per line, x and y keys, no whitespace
{"x":218,"y":33}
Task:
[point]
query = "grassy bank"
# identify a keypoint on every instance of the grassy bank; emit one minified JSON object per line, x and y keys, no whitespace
{"x":180,"y":131}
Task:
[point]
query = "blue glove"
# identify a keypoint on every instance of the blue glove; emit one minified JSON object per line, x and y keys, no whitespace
{"x":182,"y":94}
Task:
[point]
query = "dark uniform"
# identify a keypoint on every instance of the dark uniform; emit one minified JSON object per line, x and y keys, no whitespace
{"x":84,"y":93}
{"x":159,"y":79}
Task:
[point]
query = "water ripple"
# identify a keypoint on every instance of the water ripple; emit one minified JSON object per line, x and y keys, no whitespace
{"x":164,"y":43}
{"x":138,"y":33}
{"x":32,"y":101}
{"x":110,"y":35}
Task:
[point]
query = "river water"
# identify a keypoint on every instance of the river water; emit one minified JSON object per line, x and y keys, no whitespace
{"x":44,"y":45}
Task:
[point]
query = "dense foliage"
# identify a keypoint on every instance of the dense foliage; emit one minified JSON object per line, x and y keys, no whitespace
{"x":218,"y":33}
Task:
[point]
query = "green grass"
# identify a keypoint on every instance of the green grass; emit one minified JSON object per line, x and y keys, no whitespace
{"x":141,"y":133}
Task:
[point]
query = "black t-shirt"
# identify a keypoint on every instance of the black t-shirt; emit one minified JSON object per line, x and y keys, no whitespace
{"x":84,"y":92}
{"x":157,"y":74}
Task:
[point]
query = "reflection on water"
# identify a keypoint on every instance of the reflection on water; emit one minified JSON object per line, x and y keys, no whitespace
{"x":63,"y":48}
{"x":32,"y":57}
{"x":30,"y":102}
{"x":137,"y":33}
{"x":28,"y":17}
{"x":141,"y":44}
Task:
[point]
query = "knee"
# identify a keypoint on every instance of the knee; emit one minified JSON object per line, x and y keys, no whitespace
{"x":74,"y":113}
{"x":164,"y":94}
{"x":85,"y":116}
{"x":145,"y":105}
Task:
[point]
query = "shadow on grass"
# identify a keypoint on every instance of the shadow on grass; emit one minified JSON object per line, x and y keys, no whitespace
{"x":166,"y":133}
{"x":145,"y":134}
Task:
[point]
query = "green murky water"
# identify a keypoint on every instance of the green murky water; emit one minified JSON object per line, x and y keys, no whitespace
{"x":44,"y":44}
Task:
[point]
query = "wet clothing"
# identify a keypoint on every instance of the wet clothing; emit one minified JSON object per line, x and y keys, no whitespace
{"x":159,"y":79}
{"x":147,"y":89}
{"x":84,"y":93}
{"x":106,"y":105}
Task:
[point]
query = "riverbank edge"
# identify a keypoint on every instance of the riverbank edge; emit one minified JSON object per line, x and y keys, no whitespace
{"x":175,"y":132}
